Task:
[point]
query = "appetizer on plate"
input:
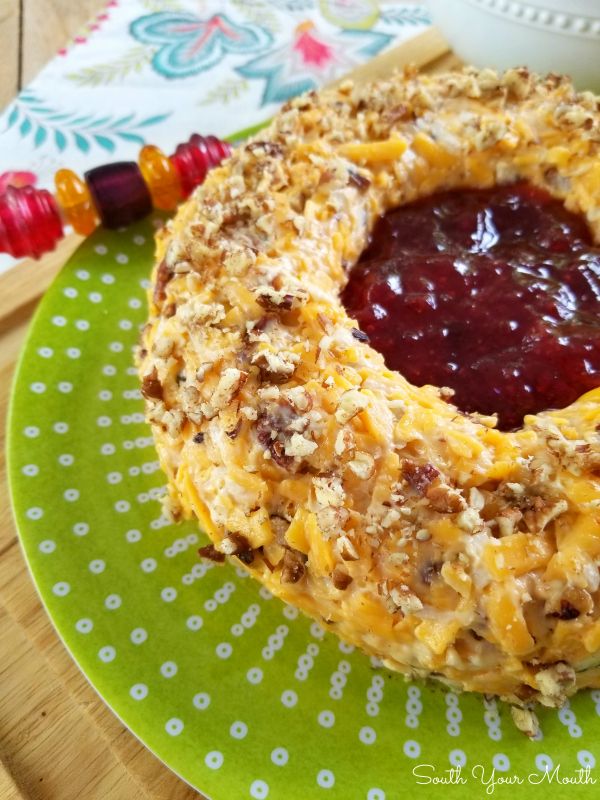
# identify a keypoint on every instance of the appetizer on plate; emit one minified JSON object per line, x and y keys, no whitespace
{"x":372,"y":370}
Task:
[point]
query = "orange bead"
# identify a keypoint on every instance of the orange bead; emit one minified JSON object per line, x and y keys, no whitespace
{"x":76,"y":202}
{"x":161,"y":177}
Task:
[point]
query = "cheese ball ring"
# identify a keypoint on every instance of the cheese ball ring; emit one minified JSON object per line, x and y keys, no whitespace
{"x":421,"y":534}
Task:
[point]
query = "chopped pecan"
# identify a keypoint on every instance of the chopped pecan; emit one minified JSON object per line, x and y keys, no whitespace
{"x":555,"y":683}
{"x":351,"y":403}
{"x":566,"y":612}
{"x":341,"y":580}
{"x":329,"y":490}
{"x":151,"y":387}
{"x":274,"y":301}
{"x":419,"y":476}
{"x":390,"y":518}
{"x":265,"y":148}
{"x":524,"y":691}
{"x":210,"y":552}
{"x":234,"y":432}
{"x":300,"y":399}
{"x":358,"y":181}
{"x":362,"y":465}
{"x":445,"y":499}
{"x":255,"y":330}
{"x":430,"y":571}
{"x":360,"y":336}
{"x":332,"y":519}
{"x":398,"y":113}
{"x":572,"y":603}
{"x":299,"y":446}
{"x":229,"y":385}
{"x":163,"y":276}
{"x":292,"y":569}
{"x":236,"y":544}
{"x":283,"y":299}
{"x":170,"y":420}
{"x":525,"y":720}
{"x":171,"y":508}
{"x":347,"y":549}
{"x":469,"y":520}
{"x":279,"y":525}
{"x":507,"y":519}
{"x":268,"y":428}
{"x":276,"y":366}
{"x":191,"y":405}
{"x":405,"y":599}
{"x":194,"y":312}
{"x":163,"y":346}
{"x":543,"y":512}
{"x":344,"y":442}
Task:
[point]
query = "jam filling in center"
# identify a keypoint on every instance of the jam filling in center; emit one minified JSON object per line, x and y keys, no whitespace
{"x":494,"y":293}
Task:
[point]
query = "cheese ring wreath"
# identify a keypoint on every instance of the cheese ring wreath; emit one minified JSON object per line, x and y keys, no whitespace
{"x":423,"y":535}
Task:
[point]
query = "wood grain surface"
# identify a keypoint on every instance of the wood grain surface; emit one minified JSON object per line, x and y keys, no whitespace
{"x":31,"y":31}
{"x":58,"y":741}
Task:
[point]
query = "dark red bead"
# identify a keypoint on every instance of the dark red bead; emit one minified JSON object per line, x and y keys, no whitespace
{"x":195,"y":157}
{"x":30,"y":223}
{"x":119,"y":193}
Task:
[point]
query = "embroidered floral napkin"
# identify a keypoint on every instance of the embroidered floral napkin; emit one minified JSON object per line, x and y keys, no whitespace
{"x":159,"y":70}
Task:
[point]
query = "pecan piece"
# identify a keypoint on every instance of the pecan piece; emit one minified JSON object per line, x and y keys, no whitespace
{"x":359,"y":335}
{"x":236,"y":544}
{"x":573,"y":602}
{"x":210,"y":552}
{"x":163,"y":276}
{"x":341,"y":580}
{"x":445,"y":499}
{"x":268,"y":427}
{"x":234,"y":432}
{"x":430,"y":571}
{"x":525,"y":720}
{"x":566,"y":612}
{"x":265,"y":148}
{"x":151,"y":386}
{"x":358,"y":181}
{"x":351,"y":403}
{"x":293,"y":569}
{"x":419,"y":476}
{"x":347,"y":548}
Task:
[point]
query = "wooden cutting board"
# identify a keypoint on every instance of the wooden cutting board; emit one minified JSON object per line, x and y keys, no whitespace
{"x":58,"y":741}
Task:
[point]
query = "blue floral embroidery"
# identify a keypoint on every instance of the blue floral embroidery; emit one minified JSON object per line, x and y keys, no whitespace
{"x":188,"y":45}
{"x":311,"y":59}
{"x":405,"y":16}
{"x":47,"y":124}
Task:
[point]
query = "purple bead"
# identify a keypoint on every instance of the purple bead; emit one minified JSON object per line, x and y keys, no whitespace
{"x":119,"y":193}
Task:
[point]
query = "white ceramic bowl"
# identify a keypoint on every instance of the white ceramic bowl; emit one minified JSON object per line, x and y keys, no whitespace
{"x":560,"y":36}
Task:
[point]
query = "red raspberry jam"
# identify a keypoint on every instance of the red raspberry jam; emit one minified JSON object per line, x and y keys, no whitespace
{"x":494,"y":293}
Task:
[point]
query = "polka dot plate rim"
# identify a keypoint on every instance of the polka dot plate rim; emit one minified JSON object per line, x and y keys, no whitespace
{"x":238,"y":694}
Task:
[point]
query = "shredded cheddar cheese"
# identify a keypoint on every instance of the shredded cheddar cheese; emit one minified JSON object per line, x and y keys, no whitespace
{"x":420,"y":534}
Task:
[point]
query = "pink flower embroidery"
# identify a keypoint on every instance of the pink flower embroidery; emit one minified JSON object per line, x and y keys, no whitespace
{"x":312,"y":51}
{"x":311,"y":58}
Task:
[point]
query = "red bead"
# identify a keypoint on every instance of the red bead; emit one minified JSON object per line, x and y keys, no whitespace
{"x":30,"y":223}
{"x":119,"y":193}
{"x":194,"y":158}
